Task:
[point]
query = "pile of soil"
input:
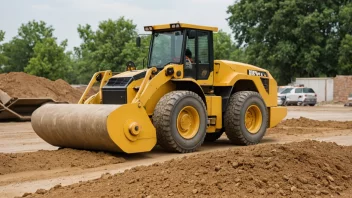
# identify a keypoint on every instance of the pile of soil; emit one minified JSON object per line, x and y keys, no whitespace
{"x":306,"y":122}
{"x":304,"y":125}
{"x":48,"y":160}
{"x":301,"y":169}
{"x":296,"y":131}
{"x":23,"y":85}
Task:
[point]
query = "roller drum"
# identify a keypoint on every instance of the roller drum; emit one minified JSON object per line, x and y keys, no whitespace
{"x":82,"y":126}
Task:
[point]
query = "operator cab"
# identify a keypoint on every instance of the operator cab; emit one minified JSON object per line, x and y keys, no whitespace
{"x":186,"y":44}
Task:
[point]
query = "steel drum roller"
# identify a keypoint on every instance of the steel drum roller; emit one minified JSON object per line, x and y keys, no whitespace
{"x":116,"y":128}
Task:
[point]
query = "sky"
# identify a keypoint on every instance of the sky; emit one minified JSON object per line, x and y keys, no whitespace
{"x":66,"y":15}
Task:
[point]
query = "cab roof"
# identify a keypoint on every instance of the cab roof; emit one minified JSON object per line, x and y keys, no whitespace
{"x":179,"y":25}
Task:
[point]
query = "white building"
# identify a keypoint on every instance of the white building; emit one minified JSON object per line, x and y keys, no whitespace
{"x":323,"y":87}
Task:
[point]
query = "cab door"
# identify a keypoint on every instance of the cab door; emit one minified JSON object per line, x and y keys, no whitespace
{"x":200,"y":46}
{"x":204,"y":58}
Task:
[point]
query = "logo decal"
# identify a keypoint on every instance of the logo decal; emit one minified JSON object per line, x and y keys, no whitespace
{"x":257,"y":73}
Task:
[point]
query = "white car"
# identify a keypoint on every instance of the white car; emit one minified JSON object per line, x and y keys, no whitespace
{"x":349,"y":101}
{"x":281,"y":95}
{"x":300,"y":96}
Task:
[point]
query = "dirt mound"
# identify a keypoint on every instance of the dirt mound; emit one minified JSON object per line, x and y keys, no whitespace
{"x":304,"y":125}
{"x":295,"y":131}
{"x":306,"y":122}
{"x":303,"y":169}
{"x":48,"y":160}
{"x":23,"y":85}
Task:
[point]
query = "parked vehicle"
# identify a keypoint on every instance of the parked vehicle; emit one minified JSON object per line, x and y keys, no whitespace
{"x":300,"y":96}
{"x":349,"y":101}
{"x":282,"y":88}
{"x":281,"y":95}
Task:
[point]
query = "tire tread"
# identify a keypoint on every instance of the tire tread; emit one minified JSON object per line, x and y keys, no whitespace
{"x":161,"y":120}
{"x":232,"y":118}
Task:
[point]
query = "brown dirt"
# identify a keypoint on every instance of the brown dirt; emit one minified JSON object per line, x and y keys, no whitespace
{"x":306,"y":122}
{"x":23,"y":85}
{"x":308,"y":126}
{"x":301,"y":169}
{"x":295,"y":131}
{"x":48,"y":160}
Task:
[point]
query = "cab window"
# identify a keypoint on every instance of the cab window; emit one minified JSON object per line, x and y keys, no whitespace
{"x":288,"y":90}
{"x":299,"y":90}
{"x":308,"y":90}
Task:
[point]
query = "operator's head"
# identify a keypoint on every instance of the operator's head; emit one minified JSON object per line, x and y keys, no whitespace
{"x":188,"y":53}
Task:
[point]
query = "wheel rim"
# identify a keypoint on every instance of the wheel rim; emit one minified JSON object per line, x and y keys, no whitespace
{"x":188,"y":122}
{"x":253,"y":119}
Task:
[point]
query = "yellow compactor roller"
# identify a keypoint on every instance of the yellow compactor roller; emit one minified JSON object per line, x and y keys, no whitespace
{"x":182,"y":99}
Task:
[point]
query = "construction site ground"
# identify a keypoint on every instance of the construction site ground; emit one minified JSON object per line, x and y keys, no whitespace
{"x":30,"y":167}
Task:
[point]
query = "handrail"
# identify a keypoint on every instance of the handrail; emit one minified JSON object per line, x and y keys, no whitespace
{"x":144,"y":84}
{"x":102,"y":77}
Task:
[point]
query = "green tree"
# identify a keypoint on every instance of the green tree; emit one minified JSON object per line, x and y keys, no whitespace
{"x":82,"y":64}
{"x":105,"y":46}
{"x":3,"y":58}
{"x":226,"y":49}
{"x":345,"y":55}
{"x":137,"y":54}
{"x":345,"y":49}
{"x":2,"y":35}
{"x":50,"y":60}
{"x":222,"y":45}
{"x":20,"y":49}
{"x":345,"y":20}
{"x":238,"y":55}
{"x":290,"y":38}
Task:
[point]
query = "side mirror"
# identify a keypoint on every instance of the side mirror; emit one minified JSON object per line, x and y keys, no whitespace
{"x":192,"y":34}
{"x":138,"y":41}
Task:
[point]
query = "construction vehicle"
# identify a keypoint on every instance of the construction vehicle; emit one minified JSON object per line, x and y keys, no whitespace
{"x":349,"y":101}
{"x":174,"y":103}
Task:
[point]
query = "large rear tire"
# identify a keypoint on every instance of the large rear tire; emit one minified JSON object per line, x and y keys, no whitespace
{"x":246,"y":118}
{"x":180,"y":119}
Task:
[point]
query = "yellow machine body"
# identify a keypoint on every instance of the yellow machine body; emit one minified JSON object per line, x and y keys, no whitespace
{"x":97,"y":123}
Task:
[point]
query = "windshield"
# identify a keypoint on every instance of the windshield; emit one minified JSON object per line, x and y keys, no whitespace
{"x":166,"y":48}
{"x":281,"y":89}
{"x":286,"y":91}
{"x":308,"y":90}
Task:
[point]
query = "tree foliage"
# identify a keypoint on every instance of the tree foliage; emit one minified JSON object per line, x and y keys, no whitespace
{"x":20,"y":49}
{"x":292,"y":38}
{"x":50,"y":60}
{"x":345,"y":55}
{"x":3,"y":58}
{"x":2,"y":35}
{"x":139,"y":55}
{"x":106,"y":45}
{"x":225,"y":48}
{"x":222,"y":45}
{"x":110,"y":47}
